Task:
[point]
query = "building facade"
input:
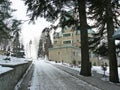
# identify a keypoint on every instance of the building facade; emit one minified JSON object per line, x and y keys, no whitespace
{"x":66,"y":46}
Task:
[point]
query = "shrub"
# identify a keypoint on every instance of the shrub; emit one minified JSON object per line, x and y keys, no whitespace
{"x":74,"y":62}
{"x":94,"y":64}
{"x":79,"y":62}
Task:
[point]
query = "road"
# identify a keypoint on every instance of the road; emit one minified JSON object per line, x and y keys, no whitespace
{"x":48,"y":77}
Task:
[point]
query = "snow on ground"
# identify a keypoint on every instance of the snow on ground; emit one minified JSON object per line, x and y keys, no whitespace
{"x":97,"y":69}
{"x":47,"y":77}
{"x":4,"y":69}
{"x":13,"y":61}
{"x":35,"y":78}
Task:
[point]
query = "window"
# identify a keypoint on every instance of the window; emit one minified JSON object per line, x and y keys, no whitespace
{"x":77,"y":32}
{"x":66,"y":35}
{"x":67,"y":42}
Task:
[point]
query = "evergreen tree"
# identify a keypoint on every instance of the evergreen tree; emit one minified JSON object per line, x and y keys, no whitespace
{"x":8,"y":25}
{"x":47,"y":41}
{"x":52,"y":9}
{"x":105,"y":12}
{"x":111,"y":43}
{"x":40,"y":48}
{"x":4,"y":15}
{"x":18,"y":48}
{"x":85,"y":64}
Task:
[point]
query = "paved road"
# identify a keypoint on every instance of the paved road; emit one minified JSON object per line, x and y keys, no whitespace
{"x":48,"y":77}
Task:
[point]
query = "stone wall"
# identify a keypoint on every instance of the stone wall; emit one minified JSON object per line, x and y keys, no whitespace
{"x":9,"y":79}
{"x":66,"y":54}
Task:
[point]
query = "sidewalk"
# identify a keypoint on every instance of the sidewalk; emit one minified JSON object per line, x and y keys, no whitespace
{"x":95,"y":80}
{"x":25,"y":82}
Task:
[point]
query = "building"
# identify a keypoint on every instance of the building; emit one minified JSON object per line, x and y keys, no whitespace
{"x":116,"y":35}
{"x":66,"y":46}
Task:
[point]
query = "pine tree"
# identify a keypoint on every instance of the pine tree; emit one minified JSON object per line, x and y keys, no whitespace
{"x":105,"y":12}
{"x":8,"y":25}
{"x":47,"y":42}
{"x":111,"y":44}
{"x":52,"y":9}
{"x":40,"y":49}
{"x":18,"y":48}
{"x":4,"y":15}
{"x":85,"y":65}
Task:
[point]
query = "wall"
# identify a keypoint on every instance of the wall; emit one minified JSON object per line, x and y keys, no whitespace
{"x":9,"y":79}
{"x":65,"y":54}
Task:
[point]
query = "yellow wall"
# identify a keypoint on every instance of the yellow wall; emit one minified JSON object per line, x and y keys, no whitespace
{"x":65,"y":54}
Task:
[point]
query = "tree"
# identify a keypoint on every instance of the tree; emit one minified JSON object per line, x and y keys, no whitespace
{"x":106,"y":15}
{"x":52,"y":9}
{"x":8,"y":25}
{"x":4,"y":16}
{"x":102,"y":50}
{"x":85,"y":64}
{"x":16,"y":44}
{"x":40,"y":48}
{"x":18,"y":48}
{"x":47,"y":42}
{"x":111,"y":44}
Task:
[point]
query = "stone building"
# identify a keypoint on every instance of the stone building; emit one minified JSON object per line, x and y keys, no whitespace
{"x":66,"y":46}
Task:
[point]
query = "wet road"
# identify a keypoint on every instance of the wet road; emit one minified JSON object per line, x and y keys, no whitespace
{"x":48,"y":77}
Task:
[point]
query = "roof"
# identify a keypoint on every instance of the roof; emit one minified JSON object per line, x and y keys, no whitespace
{"x":90,"y":31}
{"x":62,"y":47}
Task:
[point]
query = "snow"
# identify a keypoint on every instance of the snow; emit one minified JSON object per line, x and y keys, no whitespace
{"x":48,"y":77}
{"x":12,"y":62}
{"x":35,"y":77}
{"x":35,"y":81}
{"x":97,"y":69}
{"x":4,"y":69}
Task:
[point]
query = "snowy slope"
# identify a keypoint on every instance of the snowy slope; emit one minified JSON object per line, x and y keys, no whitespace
{"x":13,"y":61}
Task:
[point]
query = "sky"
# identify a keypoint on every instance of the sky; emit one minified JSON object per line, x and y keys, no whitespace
{"x":29,"y":31}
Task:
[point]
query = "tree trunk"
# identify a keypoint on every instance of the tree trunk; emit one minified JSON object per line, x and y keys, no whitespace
{"x":85,"y":64}
{"x":111,"y":44}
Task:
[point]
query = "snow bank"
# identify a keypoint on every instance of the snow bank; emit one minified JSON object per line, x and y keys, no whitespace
{"x":13,"y":61}
{"x":97,"y":69}
{"x":4,"y":69}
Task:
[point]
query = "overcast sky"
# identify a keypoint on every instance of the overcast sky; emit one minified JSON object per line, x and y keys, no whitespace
{"x":29,"y":31}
